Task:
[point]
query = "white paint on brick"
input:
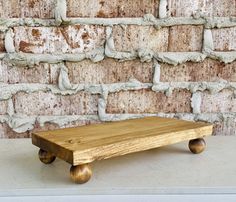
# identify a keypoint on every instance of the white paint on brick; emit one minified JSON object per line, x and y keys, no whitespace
{"x":208,"y":45}
{"x":9,"y":41}
{"x":10,"y":108}
{"x":196,"y":102}
{"x":60,"y":11}
{"x":157,"y":73}
{"x":163,"y":9}
{"x":63,"y":80}
{"x":102,"y":109}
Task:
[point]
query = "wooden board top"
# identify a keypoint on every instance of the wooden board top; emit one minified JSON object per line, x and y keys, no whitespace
{"x":85,"y":144}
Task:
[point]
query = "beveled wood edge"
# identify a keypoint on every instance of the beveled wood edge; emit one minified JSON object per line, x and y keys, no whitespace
{"x":52,"y":147}
{"x":207,"y":127}
{"x":43,"y":132}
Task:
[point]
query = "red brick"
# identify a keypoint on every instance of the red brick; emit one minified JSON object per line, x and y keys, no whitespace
{"x":208,"y":70}
{"x":46,"y":103}
{"x":27,"y":8}
{"x":109,"y":71}
{"x":226,"y":127}
{"x":112,"y":8}
{"x":3,"y":107}
{"x":224,"y":101}
{"x":2,"y":45}
{"x":69,"y":39}
{"x":147,"y":101}
{"x":134,"y":37}
{"x":184,"y":38}
{"x":186,"y":8}
{"x":224,"y":39}
{"x":16,"y":74}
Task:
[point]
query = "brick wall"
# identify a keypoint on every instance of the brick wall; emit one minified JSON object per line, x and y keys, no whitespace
{"x":66,"y":63}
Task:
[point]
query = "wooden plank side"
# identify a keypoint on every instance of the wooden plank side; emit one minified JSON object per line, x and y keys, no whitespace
{"x":57,"y":150}
{"x":138,"y":144}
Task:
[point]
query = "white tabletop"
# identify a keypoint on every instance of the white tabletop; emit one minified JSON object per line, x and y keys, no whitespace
{"x":167,"y":170}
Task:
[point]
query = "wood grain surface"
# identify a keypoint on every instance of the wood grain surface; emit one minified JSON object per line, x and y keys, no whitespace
{"x":85,"y":144}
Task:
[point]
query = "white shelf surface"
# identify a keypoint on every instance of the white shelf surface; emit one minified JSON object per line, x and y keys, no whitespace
{"x":170,"y":170}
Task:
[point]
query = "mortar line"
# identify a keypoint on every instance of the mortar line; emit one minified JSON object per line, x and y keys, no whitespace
{"x":148,"y":19}
{"x":174,"y":58}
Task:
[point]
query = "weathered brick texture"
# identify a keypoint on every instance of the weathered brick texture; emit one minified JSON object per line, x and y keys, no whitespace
{"x":224,"y":101}
{"x":2,"y":45}
{"x":112,"y":8}
{"x":27,"y":8}
{"x":45,"y":103}
{"x":224,"y":39}
{"x":109,"y":71}
{"x":226,"y":127}
{"x":187,"y":8}
{"x":31,"y":36}
{"x":208,"y":70}
{"x":70,"y":39}
{"x":43,"y":73}
{"x":134,"y":37}
{"x":184,"y":38}
{"x":147,"y":101}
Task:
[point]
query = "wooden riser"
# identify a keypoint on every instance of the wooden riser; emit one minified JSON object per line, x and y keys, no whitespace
{"x":85,"y":144}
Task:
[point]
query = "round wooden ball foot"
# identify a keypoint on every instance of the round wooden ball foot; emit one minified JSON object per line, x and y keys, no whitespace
{"x":81,"y":174}
{"x":197,"y":146}
{"x":46,"y":157}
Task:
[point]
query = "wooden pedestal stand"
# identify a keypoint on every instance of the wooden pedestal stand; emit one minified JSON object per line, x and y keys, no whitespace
{"x":82,"y":145}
